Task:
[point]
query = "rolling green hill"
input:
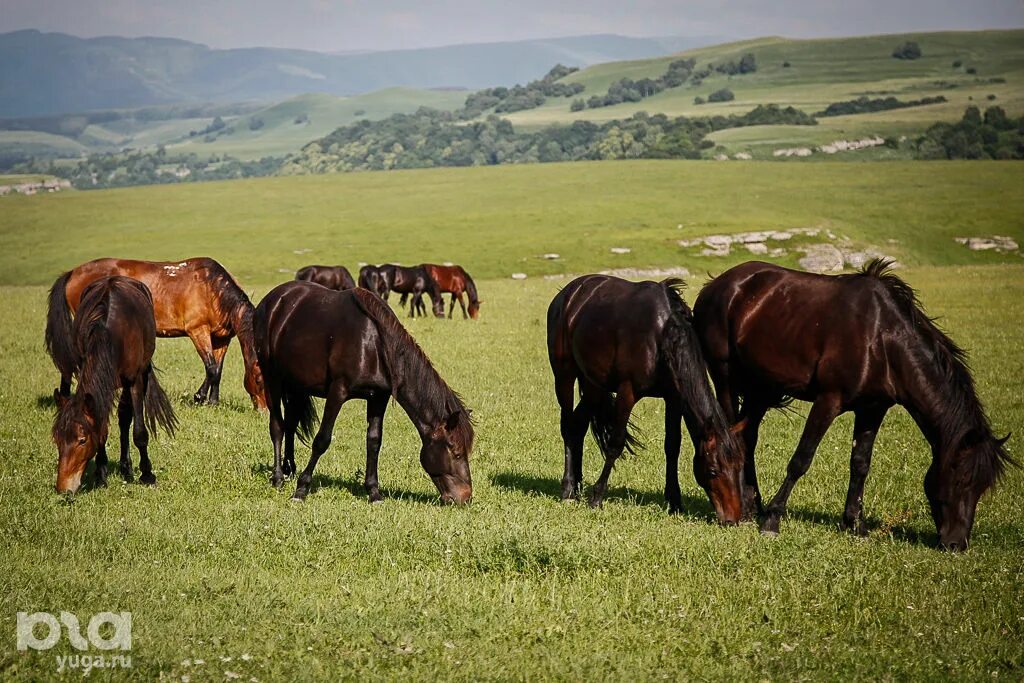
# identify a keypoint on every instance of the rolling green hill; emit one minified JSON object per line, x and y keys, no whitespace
{"x":821,"y":72}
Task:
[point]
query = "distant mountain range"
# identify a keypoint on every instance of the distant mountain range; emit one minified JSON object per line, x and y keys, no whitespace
{"x":55,"y":73}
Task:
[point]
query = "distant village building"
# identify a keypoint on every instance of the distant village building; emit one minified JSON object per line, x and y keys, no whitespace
{"x":49,"y":185}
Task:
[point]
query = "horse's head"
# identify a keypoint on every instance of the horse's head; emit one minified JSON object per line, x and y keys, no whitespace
{"x":718,"y":467}
{"x":76,"y":433}
{"x":474,"y":309}
{"x":445,"y":457}
{"x":254,"y":385}
{"x":954,"y":484}
{"x":437,"y":303}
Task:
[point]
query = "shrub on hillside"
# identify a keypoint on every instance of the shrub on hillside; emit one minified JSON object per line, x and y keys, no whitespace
{"x":723,"y":95}
{"x":908,"y":50}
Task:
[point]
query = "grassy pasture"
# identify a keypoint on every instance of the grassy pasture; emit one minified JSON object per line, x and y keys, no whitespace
{"x":214,"y":564}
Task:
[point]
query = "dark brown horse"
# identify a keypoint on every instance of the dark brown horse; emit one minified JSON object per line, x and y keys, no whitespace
{"x":370,"y":278}
{"x":455,"y":280}
{"x":349,"y":345}
{"x":331,"y":277}
{"x":414,"y":281}
{"x":623,"y":341}
{"x":112,"y":344}
{"x":196,"y":298}
{"x":856,"y":343}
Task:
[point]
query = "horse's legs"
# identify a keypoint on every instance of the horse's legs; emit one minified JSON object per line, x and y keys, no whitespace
{"x":204,"y":347}
{"x":336,"y":396}
{"x":140,"y":435}
{"x":101,"y":466}
{"x":865,"y":427}
{"x":375,"y":408}
{"x":825,"y":409}
{"x":220,"y":350}
{"x":462,"y":303}
{"x":753,"y":413}
{"x":291,"y":423}
{"x":673,"y":441}
{"x":124,"y":423}
{"x":624,"y":402}
{"x":574,"y":429}
{"x":276,"y":432}
{"x":451,"y":306}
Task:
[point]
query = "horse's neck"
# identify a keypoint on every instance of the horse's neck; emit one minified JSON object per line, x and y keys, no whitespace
{"x":931,"y":399}
{"x":241,"y":323}
{"x":423,"y":416}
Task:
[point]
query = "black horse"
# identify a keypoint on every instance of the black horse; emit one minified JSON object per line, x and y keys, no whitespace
{"x":331,"y":277}
{"x":858,"y":343}
{"x":623,"y":341}
{"x":345,"y":345}
{"x":414,"y":281}
{"x":111,"y":347}
{"x":371,"y":279}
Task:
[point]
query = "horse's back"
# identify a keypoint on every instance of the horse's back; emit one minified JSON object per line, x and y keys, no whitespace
{"x":308,"y":336}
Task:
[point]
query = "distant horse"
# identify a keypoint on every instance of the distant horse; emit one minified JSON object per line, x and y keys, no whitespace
{"x":370,"y":278}
{"x":414,"y":280}
{"x":196,"y":298}
{"x":455,"y":280}
{"x":112,"y":344}
{"x":331,"y":277}
{"x":858,"y":343}
{"x":623,"y":341}
{"x":349,"y":345}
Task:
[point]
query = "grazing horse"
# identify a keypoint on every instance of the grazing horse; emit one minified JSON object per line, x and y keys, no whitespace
{"x":196,"y":298}
{"x":858,"y":343}
{"x":349,"y":345}
{"x":331,"y":277}
{"x":112,"y":344}
{"x":455,"y":280}
{"x":414,"y":280}
{"x":623,"y":341}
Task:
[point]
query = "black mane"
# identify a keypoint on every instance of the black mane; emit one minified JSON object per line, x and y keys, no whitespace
{"x":962,"y":420}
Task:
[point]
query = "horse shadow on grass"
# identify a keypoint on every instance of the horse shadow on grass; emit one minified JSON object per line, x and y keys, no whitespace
{"x":353,"y":485}
{"x":692,"y":506}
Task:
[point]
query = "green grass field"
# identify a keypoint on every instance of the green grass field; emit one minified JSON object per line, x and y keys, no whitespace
{"x":217,"y":567}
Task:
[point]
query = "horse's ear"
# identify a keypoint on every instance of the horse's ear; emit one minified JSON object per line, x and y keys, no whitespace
{"x":1002,"y":441}
{"x":739,"y":426}
{"x":60,"y":399}
{"x":451,"y":422}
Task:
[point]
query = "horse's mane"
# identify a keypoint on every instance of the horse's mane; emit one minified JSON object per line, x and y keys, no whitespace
{"x":962,"y":420}
{"x":470,"y":286}
{"x":409,"y":365}
{"x":232,"y":298}
{"x":94,"y":359}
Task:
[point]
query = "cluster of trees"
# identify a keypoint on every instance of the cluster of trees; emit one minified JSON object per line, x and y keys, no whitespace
{"x":628,"y":90}
{"x":430,"y":138}
{"x":908,"y":50}
{"x":863,"y":105}
{"x":992,"y":135}
{"x":746,"y":65}
{"x":211,"y":132}
{"x":520,"y":97}
{"x":125,"y":169}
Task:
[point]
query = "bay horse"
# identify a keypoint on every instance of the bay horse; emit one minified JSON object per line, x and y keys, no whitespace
{"x":623,"y":341}
{"x":859,"y":342}
{"x":413,"y":280}
{"x":370,"y":278}
{"x":331,"y":277}
{"x":455,"y":280}
{"x":196,"y":298}
{"x":112,"y":343}
{"x":347,"y":345}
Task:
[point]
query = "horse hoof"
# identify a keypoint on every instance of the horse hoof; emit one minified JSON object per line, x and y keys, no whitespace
{"x":376,"y":501}
{"x":768,"y":533}
{"x":299,"y":496}
{"x":148,"y":478}
{"x":277,"y":482}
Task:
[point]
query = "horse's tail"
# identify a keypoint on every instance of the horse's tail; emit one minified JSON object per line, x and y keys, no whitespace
{"x":470,"y":287}
{"x":58,"y":327}
{"x":299,"y":407}
{"x":158,"y":407}
{"x":602,"y":426}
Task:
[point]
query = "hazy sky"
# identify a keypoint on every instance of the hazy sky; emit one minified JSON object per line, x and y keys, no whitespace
{"x":333,"y":25}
